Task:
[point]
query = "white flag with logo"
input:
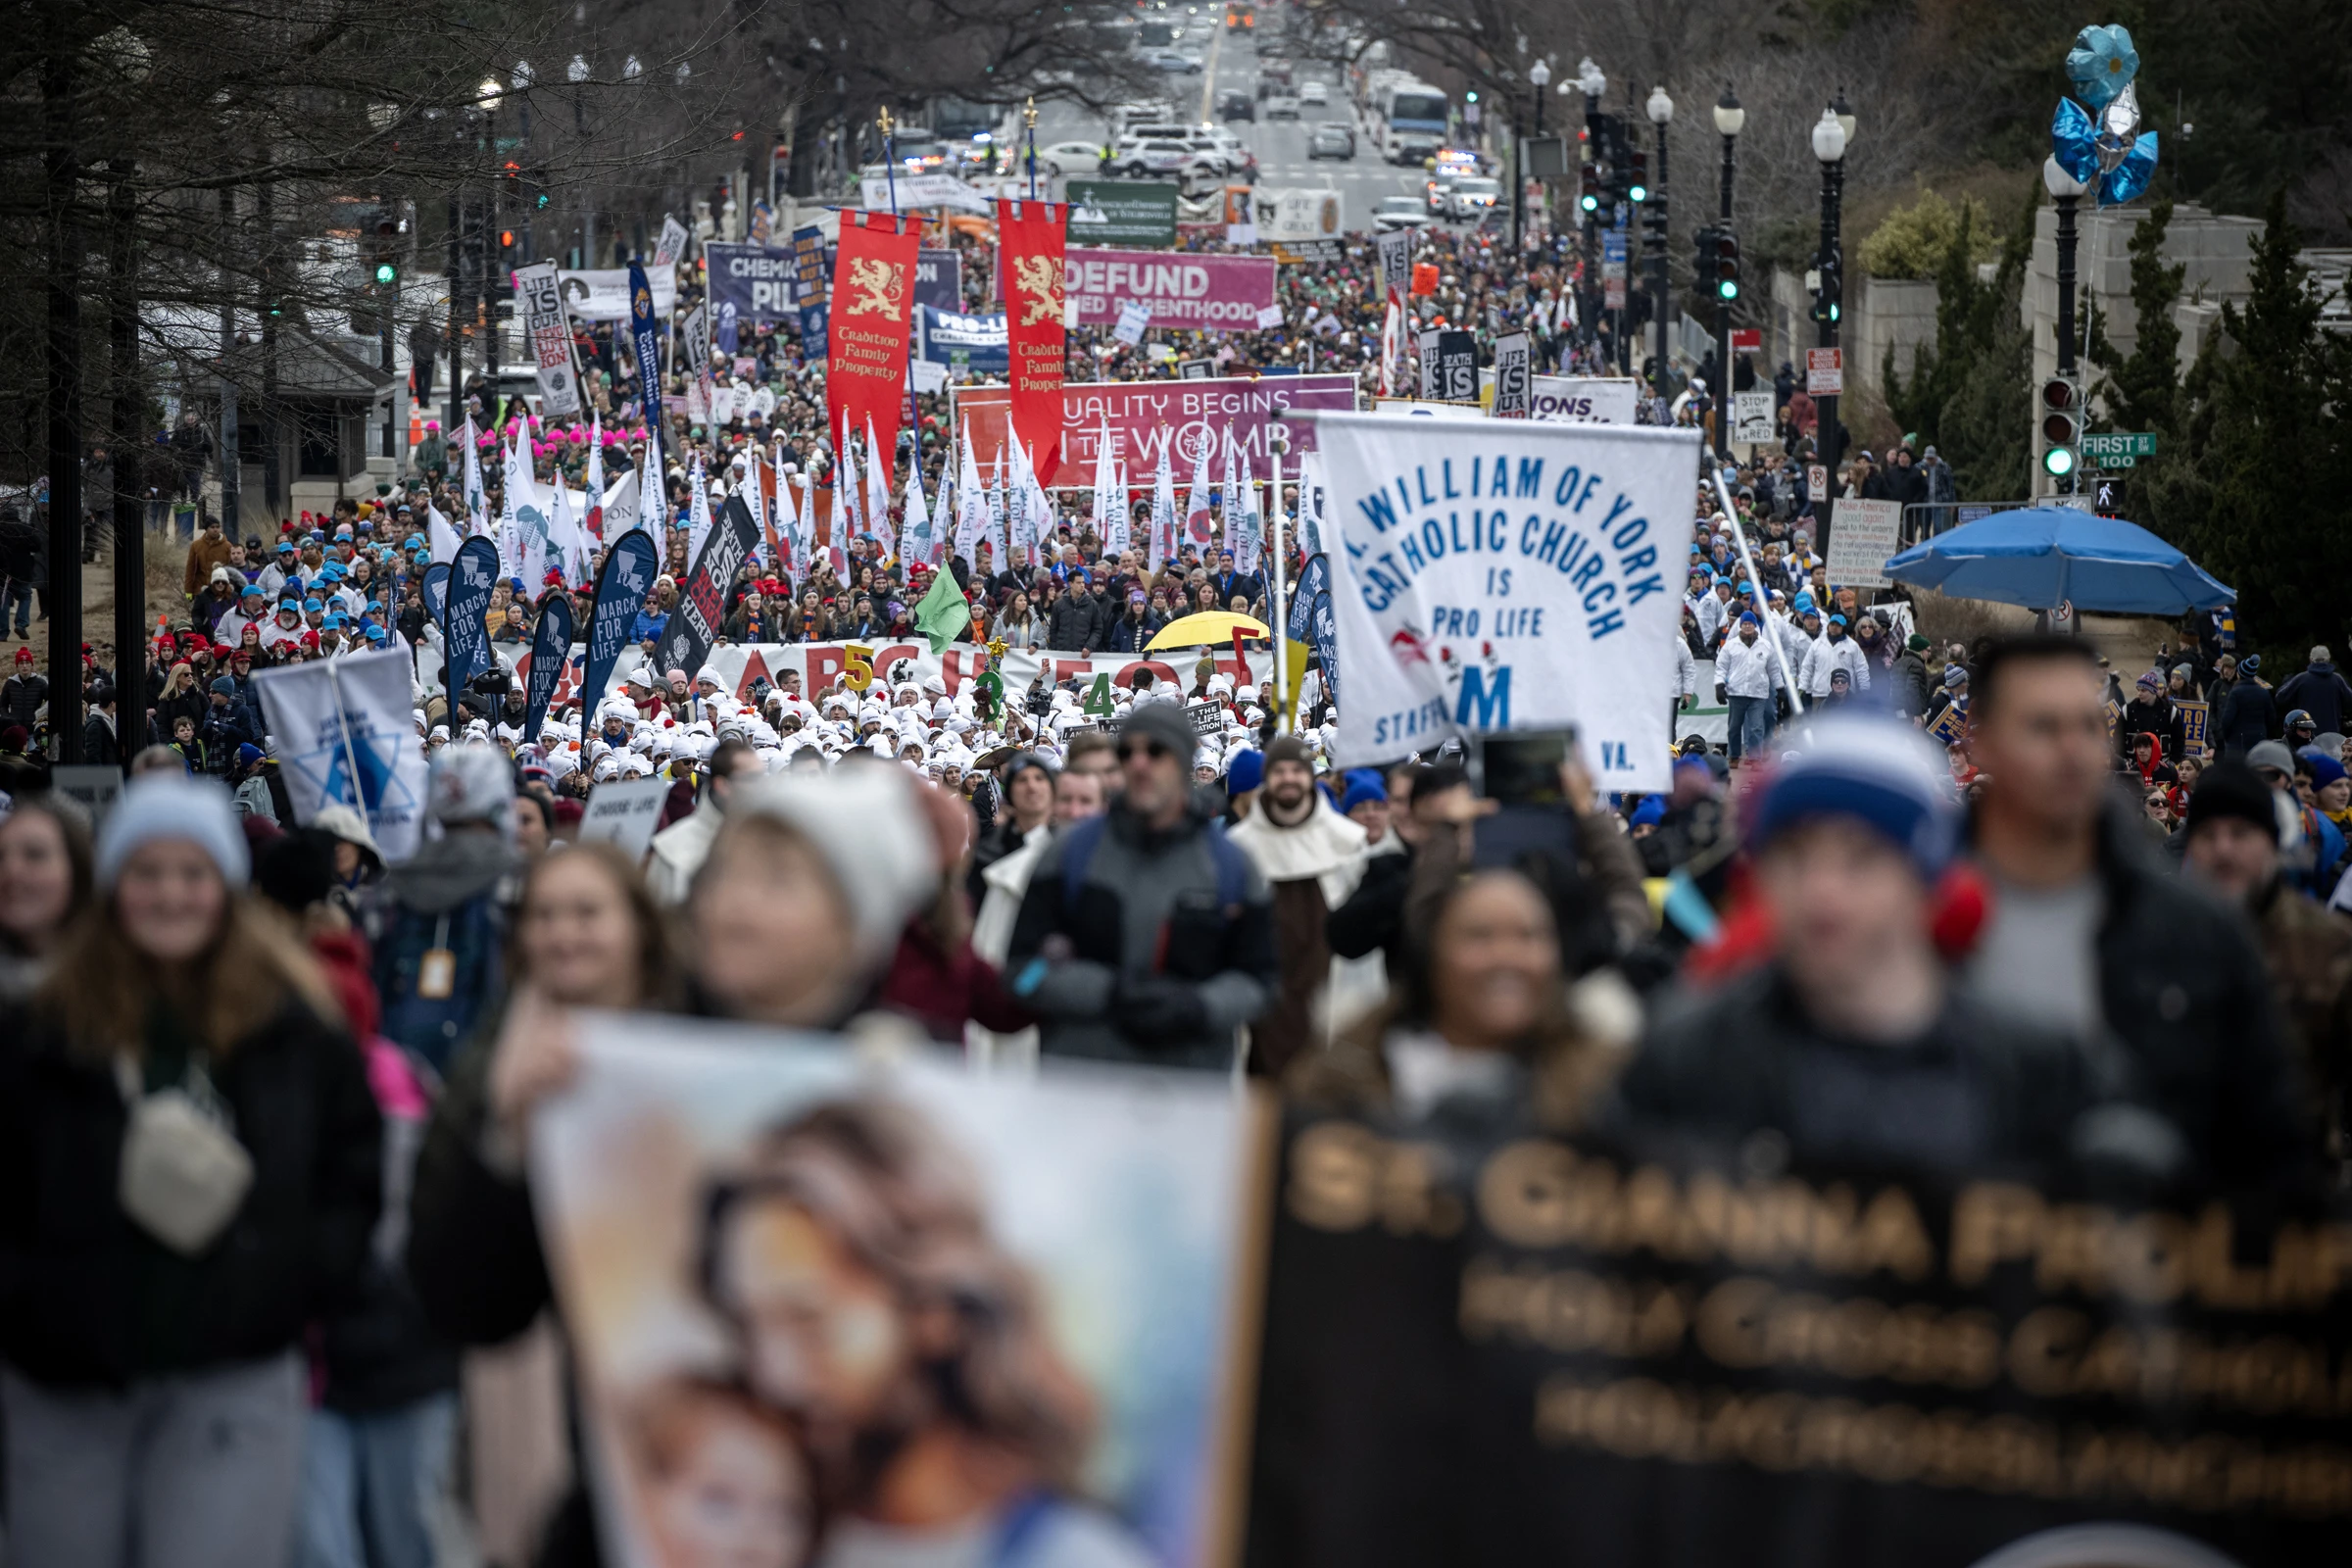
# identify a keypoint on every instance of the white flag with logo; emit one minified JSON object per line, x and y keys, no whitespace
{"x":1508,"y":575}
{"x":344,"y":733}
{"x":523,"y":522}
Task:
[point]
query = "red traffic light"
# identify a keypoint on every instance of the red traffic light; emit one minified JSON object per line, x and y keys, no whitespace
{"x":506,"y":239}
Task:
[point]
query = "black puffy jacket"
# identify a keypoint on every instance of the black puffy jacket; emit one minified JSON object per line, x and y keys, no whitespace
{"x":87,"y":1299}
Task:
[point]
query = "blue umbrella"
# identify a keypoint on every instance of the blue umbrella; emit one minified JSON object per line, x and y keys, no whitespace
{"x":2042,"y":557}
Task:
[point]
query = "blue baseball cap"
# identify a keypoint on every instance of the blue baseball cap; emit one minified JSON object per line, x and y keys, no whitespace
{"x":311,"y":606}
{"x":334,"y":622}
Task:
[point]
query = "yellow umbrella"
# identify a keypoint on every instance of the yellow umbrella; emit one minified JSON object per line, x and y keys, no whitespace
{"x":1206,"y":627}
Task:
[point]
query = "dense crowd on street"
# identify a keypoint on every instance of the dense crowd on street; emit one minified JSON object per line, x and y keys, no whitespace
{"x":266,"y":1241}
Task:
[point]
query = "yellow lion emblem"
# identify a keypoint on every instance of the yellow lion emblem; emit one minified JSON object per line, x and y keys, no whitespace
{"x":1039,"y":277}
{"x":876,"y":287}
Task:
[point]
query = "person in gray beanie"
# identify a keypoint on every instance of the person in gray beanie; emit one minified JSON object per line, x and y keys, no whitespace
{"x":190,"y":1170}
{"x":1146,"y":935}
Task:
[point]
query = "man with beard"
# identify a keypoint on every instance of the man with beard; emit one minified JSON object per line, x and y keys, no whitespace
{"x":1313,"y":857}
{"x":1144,"y":935}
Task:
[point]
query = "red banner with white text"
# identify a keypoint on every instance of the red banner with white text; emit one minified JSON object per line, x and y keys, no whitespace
{"x":873,"y":304}
{"x":1031,"y":232}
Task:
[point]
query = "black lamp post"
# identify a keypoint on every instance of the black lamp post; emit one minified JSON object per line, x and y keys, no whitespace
{"x":1833,"y":134}
{"x":1730,"y":117}
{"x":1660,"y":109}
{"x":1594,"y":82}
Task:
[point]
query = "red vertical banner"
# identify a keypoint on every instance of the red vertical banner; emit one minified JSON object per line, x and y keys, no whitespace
{"x":874,"y":304}
{"x":1031,"y":233}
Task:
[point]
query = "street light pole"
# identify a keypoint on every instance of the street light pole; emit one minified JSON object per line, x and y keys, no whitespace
{"x":2064,"y":193}
{"x":1660,"y":109}
{"x":1539,"y":76}
{"x":1833,"y":134}
{"x":1729,"y":119}
{"x":1590,"y":78}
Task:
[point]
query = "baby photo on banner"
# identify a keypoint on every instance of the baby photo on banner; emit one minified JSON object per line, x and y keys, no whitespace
{"x":1497,"y":575}
{"x":810,"y":1295}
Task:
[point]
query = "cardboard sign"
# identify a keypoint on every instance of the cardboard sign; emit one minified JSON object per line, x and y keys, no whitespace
{"x":2195,"y":718}
{"x":1512,"y":363}
{"x":1825,"y":371}
{"x":622,"y":811}
{"x":1208,"y":719}
{"x":95,"y":785}
{"x":1862,"y":535}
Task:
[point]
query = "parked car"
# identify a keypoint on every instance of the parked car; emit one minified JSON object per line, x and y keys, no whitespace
{"x":1314,"y":92}
{"x":1281,"y":105}
{"x":1398,"y":211}
{"x":1471,"y":195}
{"x":1236,"y":105}
{"x":1332,"y":140}
{"x":1071,"y":158}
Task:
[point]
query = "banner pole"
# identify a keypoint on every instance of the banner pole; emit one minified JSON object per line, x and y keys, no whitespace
{"x":351,"y":757}
{"x":914,"y":412}
{"x":1282,"y":624}
{"x":1755,"y":586}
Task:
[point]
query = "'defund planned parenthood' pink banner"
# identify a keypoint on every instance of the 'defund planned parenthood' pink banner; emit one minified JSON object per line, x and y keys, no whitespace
{"x":1188,"y":293}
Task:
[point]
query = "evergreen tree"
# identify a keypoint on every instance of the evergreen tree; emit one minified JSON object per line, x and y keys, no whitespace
{"x":2254,"y":488}
{"x":2141,"y":389}
{"x":1968,"y":394}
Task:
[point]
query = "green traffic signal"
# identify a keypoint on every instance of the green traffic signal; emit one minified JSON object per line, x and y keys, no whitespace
{"x":1637,"y":193}
{"x":386,"y":272}
{"x":2058,"y":461}
{"x":1590,"y":203}
{"x":1727,"y":289}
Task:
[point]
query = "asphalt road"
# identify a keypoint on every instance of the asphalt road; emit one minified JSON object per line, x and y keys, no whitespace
{"x":1230,"y":63}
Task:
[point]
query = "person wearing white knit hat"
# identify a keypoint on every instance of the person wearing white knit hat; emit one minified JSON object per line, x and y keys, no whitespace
{"x":797,"y":909}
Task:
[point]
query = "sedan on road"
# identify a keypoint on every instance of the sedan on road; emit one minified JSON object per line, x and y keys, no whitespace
{"x":1071,"y":158}
{"x":1167,"y":160}
{"x":1332,"y":139}
{"x":1281,"y":105}
{"x":1314,"y":92}
{"x":1173,"y":62}
{"x":1398,"y":211}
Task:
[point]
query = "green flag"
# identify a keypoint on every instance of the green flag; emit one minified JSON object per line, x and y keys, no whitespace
{"x":943,"y":613}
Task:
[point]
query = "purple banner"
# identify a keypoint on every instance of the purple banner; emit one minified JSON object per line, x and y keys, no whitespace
{"x":1187,"y":292}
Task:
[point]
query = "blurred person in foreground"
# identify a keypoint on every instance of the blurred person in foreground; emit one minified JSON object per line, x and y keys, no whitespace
{"x":2091,"y":936}
{"x":2231,"y":842}
{"x":44,"y":882}
{"x":1853,"y":1040}
{"x":189,"y":1173}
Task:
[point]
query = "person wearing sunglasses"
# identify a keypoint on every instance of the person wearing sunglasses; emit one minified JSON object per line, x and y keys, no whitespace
{"x":1145,"y":936}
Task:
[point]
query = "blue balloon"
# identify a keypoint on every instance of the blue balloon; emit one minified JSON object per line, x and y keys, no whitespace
{"x":2101,"y":63}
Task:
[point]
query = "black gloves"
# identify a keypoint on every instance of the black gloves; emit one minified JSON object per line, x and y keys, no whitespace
{"x":1154,"y":1009}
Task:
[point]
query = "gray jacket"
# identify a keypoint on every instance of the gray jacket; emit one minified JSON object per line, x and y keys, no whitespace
{"x":1148,"y":905}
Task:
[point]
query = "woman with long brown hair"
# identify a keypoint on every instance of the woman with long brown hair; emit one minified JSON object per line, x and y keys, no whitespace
{"x":44,"y":882}
{"x":189,"y":1172}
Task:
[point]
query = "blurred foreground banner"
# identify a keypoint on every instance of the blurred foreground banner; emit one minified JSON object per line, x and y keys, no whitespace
{"x":801,"y":1289}
{"x":1512,"y":1347}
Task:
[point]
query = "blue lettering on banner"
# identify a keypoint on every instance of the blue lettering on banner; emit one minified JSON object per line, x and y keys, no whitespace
{"x":1616,"y":562}
{"x":1486,"y":701}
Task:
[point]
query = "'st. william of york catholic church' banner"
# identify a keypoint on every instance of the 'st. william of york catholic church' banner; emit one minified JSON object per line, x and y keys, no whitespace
{"x":1032,"y":233}
{"x":1508,"y":575}
{"x":873,"y":303}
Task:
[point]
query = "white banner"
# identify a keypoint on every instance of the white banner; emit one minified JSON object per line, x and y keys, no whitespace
{"x":604,"y":295}
{"x":621,"y":812}
{"x":922,"y":190}
{"x":1507,"y":577}
{"x":1584,"y":399}
{"x":1294,"y":215}
{"x":344,"y":733}
{"x":550,"y":339}
{"x":1862,"y":535}
{"x":743,"y":666}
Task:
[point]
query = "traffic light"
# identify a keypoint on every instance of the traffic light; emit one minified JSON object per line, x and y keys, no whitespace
{"x":2061,"y":427}
{"x":1637,"y":184}
{"x":1653,"y":222}
{"x":1727,"y":265}
{"x":1827,"y":296}
{"x":1710,"y":241}
{"x":387,"y":253}
{"x":1588,"y":198}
